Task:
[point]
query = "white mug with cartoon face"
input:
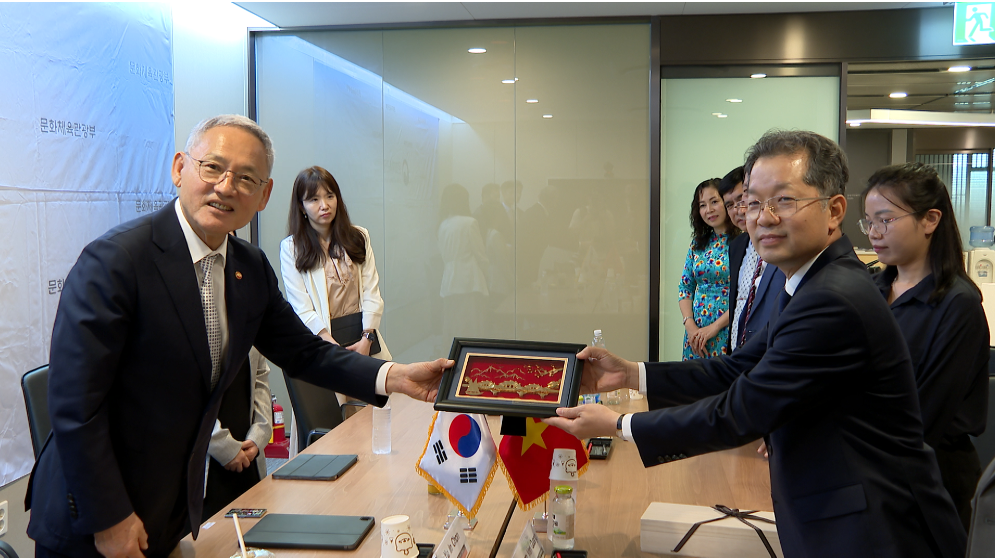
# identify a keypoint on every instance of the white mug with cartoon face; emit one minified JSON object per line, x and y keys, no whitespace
{"x":564,"y":465}
{"x":396,"y":540}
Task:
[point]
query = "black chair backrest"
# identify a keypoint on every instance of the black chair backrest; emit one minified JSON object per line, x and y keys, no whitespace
{"x":985,"y":442}
{"x":981,"y":531}
{"x":34,"y":384}
{"x":314,"y":408}
{"x":7,"y":551}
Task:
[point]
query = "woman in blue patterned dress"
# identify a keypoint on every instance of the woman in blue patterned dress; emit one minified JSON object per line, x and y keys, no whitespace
{"x":705,"y":282}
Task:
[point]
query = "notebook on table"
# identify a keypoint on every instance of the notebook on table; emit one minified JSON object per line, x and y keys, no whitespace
{"x":315,"y":467}
{"x":332,"y":532}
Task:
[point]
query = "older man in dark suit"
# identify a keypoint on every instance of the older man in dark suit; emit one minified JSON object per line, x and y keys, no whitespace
{"x":156,"y":320}
{"x":828,"y":383}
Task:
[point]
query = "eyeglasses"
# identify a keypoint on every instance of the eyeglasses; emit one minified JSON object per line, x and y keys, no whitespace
{"x":779,"y":206}
{"x":881,"y":225}
{"x":213,"y":172}
{"x":738,"y":206}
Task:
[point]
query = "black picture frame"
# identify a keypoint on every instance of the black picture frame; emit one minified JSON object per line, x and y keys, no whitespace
{"x":459,"y":392}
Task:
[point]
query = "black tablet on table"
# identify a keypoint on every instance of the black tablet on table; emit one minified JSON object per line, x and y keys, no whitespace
{"x":315,"y":467}
{"x":331,"y":532}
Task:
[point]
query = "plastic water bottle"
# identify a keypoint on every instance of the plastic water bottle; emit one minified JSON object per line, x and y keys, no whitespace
{"x":382,"y":429}
{"x":597,"y":342}
{"x":562,"y":519}
{"x":619,"y":396}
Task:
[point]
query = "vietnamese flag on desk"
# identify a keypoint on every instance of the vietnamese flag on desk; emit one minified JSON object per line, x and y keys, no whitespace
{"x":526,"y":460}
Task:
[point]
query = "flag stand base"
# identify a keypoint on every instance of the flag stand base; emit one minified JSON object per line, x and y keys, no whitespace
{"x":458,"y":516}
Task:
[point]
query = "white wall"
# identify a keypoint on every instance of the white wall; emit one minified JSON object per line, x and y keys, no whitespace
{"x":210,"y":62}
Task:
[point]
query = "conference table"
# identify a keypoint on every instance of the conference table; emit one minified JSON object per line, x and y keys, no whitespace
{"x":611,"y":497}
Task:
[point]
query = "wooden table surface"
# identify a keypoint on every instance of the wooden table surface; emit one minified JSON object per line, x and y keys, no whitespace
{"x":612,"y":494}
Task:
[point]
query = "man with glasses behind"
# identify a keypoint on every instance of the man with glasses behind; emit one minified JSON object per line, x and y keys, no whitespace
{"x":753,"y":284}
{"x":828,"y":383}
{"x":154,"y":324}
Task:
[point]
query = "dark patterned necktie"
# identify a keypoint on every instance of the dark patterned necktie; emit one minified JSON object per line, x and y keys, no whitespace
{"x":750,"y":301}
{"x":211,"y":321}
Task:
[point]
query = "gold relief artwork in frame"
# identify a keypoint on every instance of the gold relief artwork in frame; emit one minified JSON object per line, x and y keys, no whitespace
{"x":523,"y":379}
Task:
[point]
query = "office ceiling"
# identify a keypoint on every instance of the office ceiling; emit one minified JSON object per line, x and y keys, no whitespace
{"x":928,"y":84}
{"x":302,"y":14}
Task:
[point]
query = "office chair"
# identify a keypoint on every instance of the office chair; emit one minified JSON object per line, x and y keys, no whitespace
{"x":316,"y":410}
{"x":984,"y":443}
{"x":980,"y":531}
{"x":34,"y":385}
{"x":7,"y":551}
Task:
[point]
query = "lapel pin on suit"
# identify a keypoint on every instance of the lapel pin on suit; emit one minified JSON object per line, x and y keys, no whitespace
{"x":238,"y":275}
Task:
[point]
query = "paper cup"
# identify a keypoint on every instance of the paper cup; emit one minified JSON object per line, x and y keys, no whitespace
{"x":396,"y":540}
{"x":564,"y":465}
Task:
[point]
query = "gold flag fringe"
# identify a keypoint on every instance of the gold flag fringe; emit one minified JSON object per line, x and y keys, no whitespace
{"x":484,"y":489}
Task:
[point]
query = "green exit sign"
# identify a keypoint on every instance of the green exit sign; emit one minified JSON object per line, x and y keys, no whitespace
{"x":973,"y":23}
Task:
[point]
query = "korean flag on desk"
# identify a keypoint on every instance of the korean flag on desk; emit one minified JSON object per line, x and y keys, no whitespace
{"x":459,"y":458}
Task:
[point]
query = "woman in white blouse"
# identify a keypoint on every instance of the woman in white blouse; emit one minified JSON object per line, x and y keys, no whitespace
{"x":328,"y":267}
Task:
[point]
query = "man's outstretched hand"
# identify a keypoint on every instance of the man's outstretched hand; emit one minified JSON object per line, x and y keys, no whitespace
{"x":604,"y":371}
{"x":419,"y":381}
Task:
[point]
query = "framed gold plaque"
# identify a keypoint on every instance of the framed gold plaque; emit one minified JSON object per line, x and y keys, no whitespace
{"x":510,"y":377}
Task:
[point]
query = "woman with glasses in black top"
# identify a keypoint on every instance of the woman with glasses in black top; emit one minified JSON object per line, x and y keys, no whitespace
{"x":911,"y":225}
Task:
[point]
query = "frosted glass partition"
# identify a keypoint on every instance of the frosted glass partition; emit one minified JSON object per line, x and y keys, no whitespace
{"x":698,"y":144}
{"x":427,"y":141}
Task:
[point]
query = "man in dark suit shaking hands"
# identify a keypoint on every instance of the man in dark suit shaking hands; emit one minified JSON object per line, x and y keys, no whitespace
{"x":828,"y":382}
{"x":156,"y":320}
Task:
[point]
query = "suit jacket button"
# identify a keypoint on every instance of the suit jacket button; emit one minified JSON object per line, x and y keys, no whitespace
{"x":661,"y":460}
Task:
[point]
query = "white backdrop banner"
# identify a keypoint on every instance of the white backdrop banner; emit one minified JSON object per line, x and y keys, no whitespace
{"x":86,"y":141}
